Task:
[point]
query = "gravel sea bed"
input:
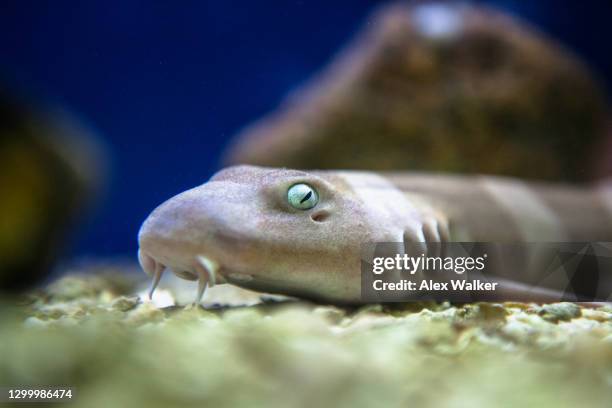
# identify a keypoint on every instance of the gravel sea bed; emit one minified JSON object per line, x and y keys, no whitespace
{"x":100,"y":334}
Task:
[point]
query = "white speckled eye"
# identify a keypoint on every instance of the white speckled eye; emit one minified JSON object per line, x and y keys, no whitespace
{"x":302,"y":196}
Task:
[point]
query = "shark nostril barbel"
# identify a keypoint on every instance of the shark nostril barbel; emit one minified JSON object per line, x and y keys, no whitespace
{"x":206,"y":269}
{"x":152,"y":268}
{"x":157,"y":274}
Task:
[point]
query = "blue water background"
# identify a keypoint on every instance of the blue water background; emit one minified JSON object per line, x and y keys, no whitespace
{"x":167,"y":84}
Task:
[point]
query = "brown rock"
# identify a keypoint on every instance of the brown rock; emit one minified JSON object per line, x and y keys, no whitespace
{"x":440,"y":87}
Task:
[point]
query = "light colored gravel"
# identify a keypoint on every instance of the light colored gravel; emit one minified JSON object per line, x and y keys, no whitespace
{"x":97,"y":334}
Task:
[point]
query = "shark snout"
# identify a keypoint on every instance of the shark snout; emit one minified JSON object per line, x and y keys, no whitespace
{"x":172,"y":230}
{"x":179,"y":235}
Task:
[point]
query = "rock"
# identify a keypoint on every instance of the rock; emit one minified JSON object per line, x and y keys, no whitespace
{"x":442,"y":87}
{"x":484,"y":312}
{"x":90,"y":282}
{"x":555,"y":312}
{"x":286,"y":353}
{"x":125,"y":303}
{"x":331,"y":314}
{"x":51,"y":171}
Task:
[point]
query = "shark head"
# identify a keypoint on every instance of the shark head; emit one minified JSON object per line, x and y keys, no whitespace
{"x":274,"y":230}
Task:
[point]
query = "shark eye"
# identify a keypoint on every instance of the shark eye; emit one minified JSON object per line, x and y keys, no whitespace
{"x":302,"y":196}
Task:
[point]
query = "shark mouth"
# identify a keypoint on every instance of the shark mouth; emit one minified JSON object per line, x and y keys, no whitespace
{"x":204,"y":270}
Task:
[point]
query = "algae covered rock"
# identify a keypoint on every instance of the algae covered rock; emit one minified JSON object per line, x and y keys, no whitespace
{"x":441,"y":87}
{"x":560,"y":311}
